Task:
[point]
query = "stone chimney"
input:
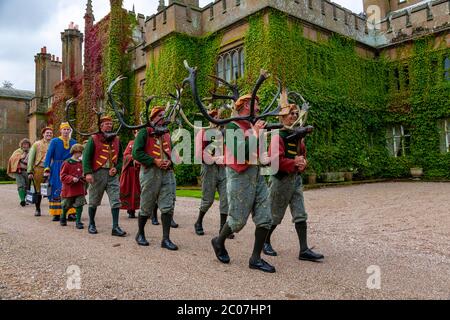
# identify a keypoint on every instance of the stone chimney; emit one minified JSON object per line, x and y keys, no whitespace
{"x":48,"y":73}
{"x":72,"y":43}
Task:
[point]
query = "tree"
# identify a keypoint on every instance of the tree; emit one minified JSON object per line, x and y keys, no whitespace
{"x":7,"y":84}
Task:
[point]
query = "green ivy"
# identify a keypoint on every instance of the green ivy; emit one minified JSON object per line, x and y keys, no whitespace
{"x":419,"y":97}
{"x":353,"y":98}
{"x":167,"y":70}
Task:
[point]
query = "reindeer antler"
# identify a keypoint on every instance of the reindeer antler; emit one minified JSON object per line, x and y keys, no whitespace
{"x":233,"y":87}
{"x":71,"y":104}
{"x":192,"y":81}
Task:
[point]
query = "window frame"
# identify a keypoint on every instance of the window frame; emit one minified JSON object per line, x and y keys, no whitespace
{"x":444,"y":135}
{"x":236,"y":57}
{"x":400,"y":146}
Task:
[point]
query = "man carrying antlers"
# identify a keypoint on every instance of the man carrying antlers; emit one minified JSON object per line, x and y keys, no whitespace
{"x":102,"y":162}
{"x":247,"y":190}
{"x":285,"y":187}
{"x":213,"y":176}
{"x":158,"y":186}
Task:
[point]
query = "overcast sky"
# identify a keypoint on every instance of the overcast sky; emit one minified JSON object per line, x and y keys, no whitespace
{"x":28,"y":25}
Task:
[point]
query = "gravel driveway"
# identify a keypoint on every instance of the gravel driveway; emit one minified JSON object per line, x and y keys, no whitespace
{"x":391,"y":236}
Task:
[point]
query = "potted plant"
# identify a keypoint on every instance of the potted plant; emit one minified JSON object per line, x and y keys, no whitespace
{"x":416,"y":172}
{"x":312,"y":176}
{"x":348,"y":174}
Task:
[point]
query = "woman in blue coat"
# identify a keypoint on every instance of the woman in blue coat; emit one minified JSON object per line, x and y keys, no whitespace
{"x":58,"y":152}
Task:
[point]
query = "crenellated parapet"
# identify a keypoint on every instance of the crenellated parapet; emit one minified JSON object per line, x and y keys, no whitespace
{"x":192,"y":20}
{"x":415,"y":21}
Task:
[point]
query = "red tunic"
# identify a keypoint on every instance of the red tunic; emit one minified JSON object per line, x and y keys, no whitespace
{"x":230,"y":160}
{"x":200,"y":146}
{"x":130,"y":188}
{"x":69,"y":170}
{"x":159,"y":147}
{"x":286,"y":153}
{"x":104,"y":152}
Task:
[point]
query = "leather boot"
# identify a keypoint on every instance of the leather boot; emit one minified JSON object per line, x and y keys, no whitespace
{"x":166,"y":224}
{"x":56,"y":218}
{"x":63,"y":220}
{"x":198,"y":226}
{"x":140,"y":237}
{"x":306,"y":253}
{"x":155,"y":221}
{"x":267,"y":249}
{"x":79,"y":225}
{"x":223,"y":220}
{"x":116,"y":231}
{"x":173,"y":224}
{"x":92,"y":228}
{"x":255,"y":261}
{"x":218,"y":244}
{"x":131,"y":214}
{"x":38,"y":206}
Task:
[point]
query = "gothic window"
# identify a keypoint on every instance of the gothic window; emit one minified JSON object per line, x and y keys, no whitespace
{"x":235,"y":64}
{"x":228,"y":70}
{"x":220,"y":68}
{"x":242,"y":61}
{"x":447,"y":68}
{"x":231,"y":64}
{"x":406,"y":75}
{"x":396,"y":79}
{"x":444,"y":135}
{"x":398,"y":140}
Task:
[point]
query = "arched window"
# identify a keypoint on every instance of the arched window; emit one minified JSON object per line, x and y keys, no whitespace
{"x":231,"y":64}
{"x":228,"y":69}
{"x":242,"y":61}
{"x":220,"y":70}
{"x":447,"y":68}
{"x":236,"y":74}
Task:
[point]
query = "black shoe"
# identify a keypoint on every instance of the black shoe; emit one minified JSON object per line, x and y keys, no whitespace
{"x":71,"y":218}
{"x":117,"y":232}
{"x":221,"y":253}
{"x":92,"y":229}
{"x":173,"y":224}
{"x":231,"y":236}
{"x":199,"y":229}
{"x":23,"y":203}
{"x":79,"y":225}
{"x":309,"y":255}
{"x":131,"y":215}
{"x":63,"y":222}
{"x":167,"y":244}
{"x":261,"y":265}
{"x":56,"y":218}
{"x":155,"y":221}
{"x":37,"y":213}
{"x":140,"y":239}
{"x":268,"y":250}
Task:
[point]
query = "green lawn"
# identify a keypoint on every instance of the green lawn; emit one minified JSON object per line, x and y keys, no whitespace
{"x":192,"y":194}
{"x":187,"y":193}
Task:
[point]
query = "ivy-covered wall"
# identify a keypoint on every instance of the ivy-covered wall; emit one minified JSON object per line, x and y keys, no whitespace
{"x":353,"y":99}
{"x":345,"y":91}
{"x":418,"y":97}
{"x":167,"y":70}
